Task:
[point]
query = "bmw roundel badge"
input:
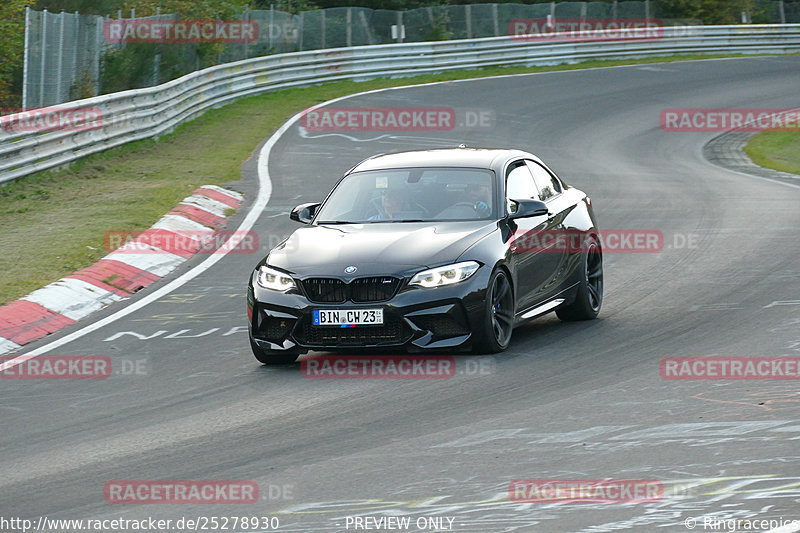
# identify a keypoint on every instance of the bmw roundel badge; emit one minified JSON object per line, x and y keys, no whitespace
{"x":350,"y":270}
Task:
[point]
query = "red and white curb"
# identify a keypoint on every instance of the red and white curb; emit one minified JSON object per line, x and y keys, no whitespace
{"x":119,"y":274}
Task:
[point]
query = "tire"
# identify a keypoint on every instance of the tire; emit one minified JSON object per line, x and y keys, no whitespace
{"x":498,"y":322}
{"x":589,"y":298}
{"x":270,"y":357}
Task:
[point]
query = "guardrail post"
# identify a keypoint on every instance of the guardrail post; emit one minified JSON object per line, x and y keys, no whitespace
{"x":647,"y":9}
{"x":99,"y":23}
{"x":271,"y":24}
{"x":44,"y":56}
{"x":468,"y":20}
{"x":26,"y":56}
{"x":77,"y":72}
{"x":553,"y":10}
{"x":157,"y":57}
{"x":60,"y":68}
{"x":781,"y":12}
{"x":349,"y":26}
{"x":495,"y":20}
{"x":614,"y":10}
{"x":246,"y":19}
{"x":322,"y":28}
{"x":399,"y":26}
{"x":300,"y":31}
{"x":583,"y":10}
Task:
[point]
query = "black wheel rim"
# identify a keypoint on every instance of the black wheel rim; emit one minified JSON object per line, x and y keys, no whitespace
{"x":502,"y":310}
{"x":594,"y":276}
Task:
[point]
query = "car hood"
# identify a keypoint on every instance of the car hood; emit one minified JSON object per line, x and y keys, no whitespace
{"x":374,"y":249}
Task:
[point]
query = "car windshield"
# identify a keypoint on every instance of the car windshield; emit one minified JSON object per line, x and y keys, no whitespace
{"x":411,"y":195}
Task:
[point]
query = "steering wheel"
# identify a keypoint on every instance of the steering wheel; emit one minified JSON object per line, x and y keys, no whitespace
{"x":481,"y":208}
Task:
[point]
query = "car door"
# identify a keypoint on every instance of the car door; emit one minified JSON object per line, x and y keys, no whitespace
{"x":550,"y":192}
{"x":534,"y":265}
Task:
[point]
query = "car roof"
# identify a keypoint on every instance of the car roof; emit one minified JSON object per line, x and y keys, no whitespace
{"x":443,"y":157}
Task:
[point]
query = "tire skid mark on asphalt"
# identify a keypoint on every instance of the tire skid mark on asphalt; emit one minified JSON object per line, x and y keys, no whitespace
{"x":622,"y":437}
{"x":683,"y":498}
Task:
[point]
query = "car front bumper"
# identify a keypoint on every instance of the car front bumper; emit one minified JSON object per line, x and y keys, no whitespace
{"x":415,"y":318}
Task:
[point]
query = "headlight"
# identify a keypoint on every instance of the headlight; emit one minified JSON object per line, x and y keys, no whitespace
{"x":270,"y":278}
{"x":445,"y":275}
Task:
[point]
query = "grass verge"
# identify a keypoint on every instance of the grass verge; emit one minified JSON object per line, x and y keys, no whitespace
{"x":53,"y":222}
{"x":778,"y":150}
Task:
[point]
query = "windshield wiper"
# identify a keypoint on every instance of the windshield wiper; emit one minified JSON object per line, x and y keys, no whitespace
{"x":396,"y":220}
{"x":336,"y":222}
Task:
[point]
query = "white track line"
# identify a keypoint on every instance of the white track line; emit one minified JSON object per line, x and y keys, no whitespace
{"x":264,"y":193}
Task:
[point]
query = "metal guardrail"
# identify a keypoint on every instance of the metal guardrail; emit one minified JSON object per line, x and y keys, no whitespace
{"x":143,"y":113}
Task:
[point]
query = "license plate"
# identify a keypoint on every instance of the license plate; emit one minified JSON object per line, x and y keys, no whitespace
{"x":348,"y":317}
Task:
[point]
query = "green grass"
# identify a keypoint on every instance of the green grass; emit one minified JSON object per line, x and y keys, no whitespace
{"x":53,"y":222}
{"x":778,"y":150}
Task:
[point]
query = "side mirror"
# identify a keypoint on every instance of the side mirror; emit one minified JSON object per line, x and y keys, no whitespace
{"x":304,"y":212}
{"x":527,"y":208}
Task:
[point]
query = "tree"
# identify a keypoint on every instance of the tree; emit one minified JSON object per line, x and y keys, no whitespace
{"x":133,"y":65}
{"x":709,"y":11}
{"x":84,"y":7}
{"x":288,"y":6}
{"x":12,"y":48}
{"x":187,"y":9}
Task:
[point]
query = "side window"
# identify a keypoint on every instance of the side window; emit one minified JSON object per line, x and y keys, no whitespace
{"x":519,"y":183}
{"x":547,"y":184}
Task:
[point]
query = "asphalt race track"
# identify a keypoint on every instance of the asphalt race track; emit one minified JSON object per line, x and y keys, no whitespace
{"x":572,"y":401}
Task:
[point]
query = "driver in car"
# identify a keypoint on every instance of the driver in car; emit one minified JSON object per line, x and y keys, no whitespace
{"x":478,"y":196}
{"x":389,"y":205}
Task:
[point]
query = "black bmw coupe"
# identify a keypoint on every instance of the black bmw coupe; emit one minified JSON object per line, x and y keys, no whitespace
{"x":428,"y":250}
